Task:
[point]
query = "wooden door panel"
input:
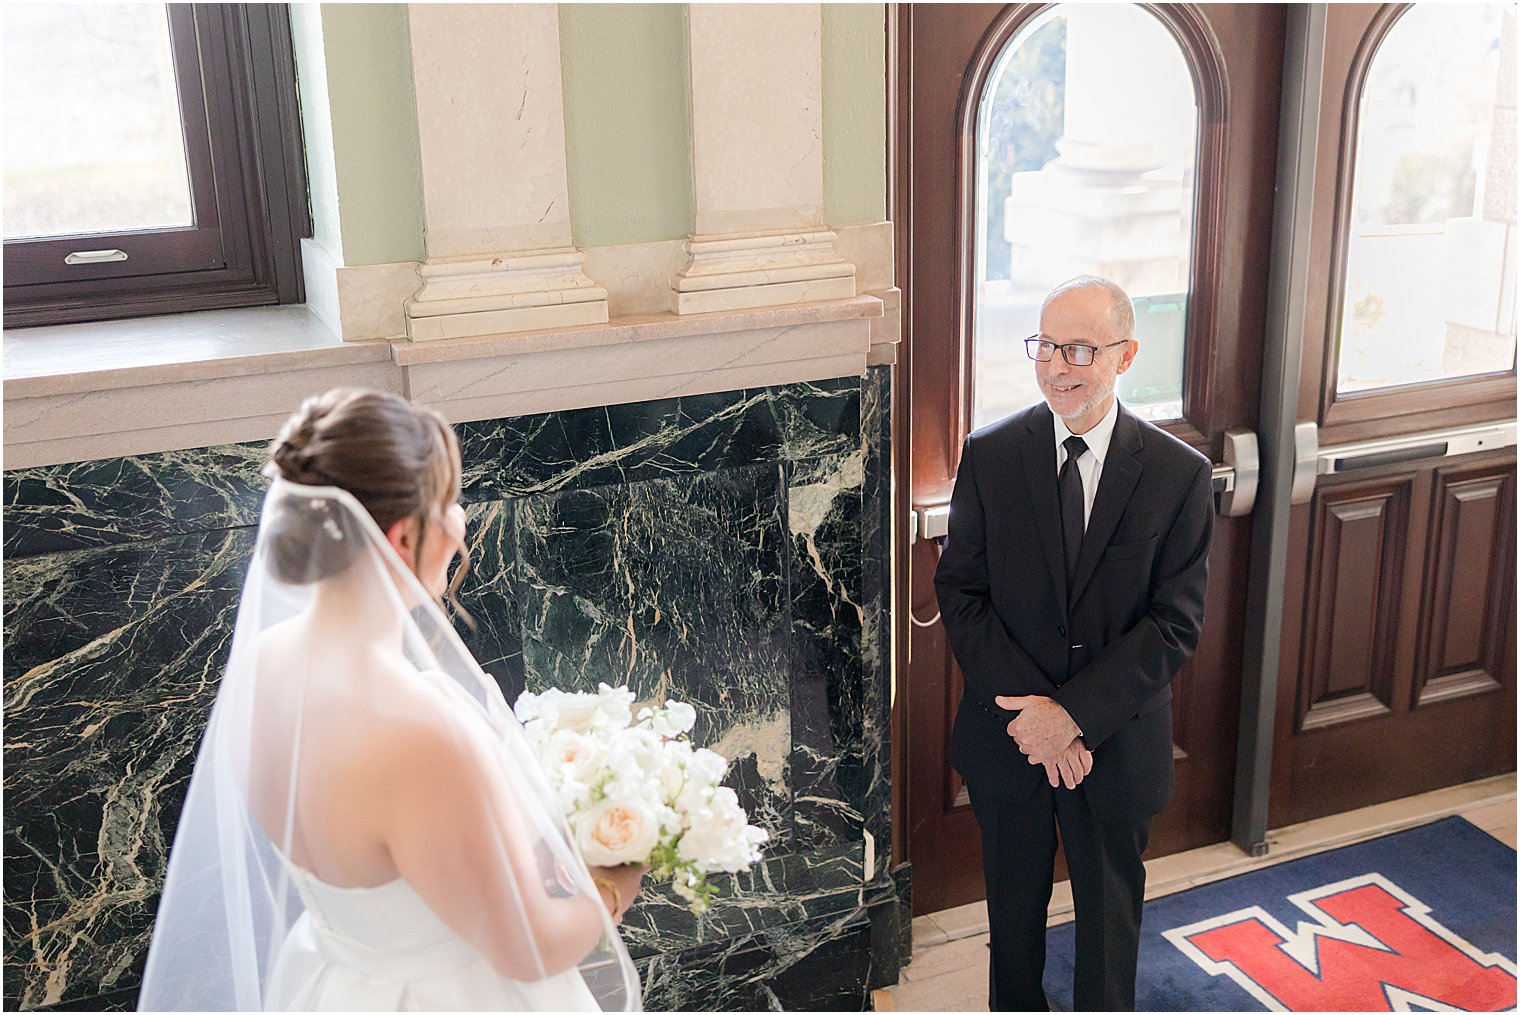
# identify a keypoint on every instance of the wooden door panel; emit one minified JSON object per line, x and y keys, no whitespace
{"x":1420,"y":611}
{"x":1355,"y":574}
{"x":1468,"y":608}
{"x":1397,"y":666}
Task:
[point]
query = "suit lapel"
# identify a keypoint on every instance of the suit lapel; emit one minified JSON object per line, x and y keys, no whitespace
{"x":1037,"y":449}
{"x":1121,"y":471}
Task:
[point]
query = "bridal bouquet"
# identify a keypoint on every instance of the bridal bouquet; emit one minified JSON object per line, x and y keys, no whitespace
{"x":634,"y":790}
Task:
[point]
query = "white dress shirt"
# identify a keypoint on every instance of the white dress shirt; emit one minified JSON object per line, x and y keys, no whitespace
{"x":1090,"y":465}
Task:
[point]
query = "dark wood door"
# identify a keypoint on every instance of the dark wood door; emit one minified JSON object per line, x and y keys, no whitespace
{"x":1398,"y":658}
{"x":945,"y":56}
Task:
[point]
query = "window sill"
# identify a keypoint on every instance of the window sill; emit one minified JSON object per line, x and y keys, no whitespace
{"x":88,"y":391}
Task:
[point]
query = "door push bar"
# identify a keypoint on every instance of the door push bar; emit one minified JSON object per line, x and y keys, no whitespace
{"x":1235,"y":484}
{"x":1413,"y":448}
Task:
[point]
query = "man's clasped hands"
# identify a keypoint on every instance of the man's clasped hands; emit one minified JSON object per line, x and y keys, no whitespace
{"x":1048,"y":736}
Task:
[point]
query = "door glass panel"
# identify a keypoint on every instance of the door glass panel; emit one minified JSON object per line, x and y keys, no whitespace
{"x":93,"y":140}
{"x":1087,"y":142}
{"x":1428,"y":291}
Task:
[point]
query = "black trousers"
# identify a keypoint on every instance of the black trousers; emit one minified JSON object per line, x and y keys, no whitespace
{"x":1107,"y":884}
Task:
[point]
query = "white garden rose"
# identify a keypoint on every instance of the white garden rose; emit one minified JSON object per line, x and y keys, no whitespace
{"x":574,"y":713}
{"x":616,"y":832}
{"x":527,"y":707}
{"x":573,"y":755}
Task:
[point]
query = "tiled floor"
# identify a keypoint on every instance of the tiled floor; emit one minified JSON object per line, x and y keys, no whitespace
{"x":949,"y":968}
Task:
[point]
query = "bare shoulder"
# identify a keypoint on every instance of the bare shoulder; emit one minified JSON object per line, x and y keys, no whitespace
{"x":420,"y":733}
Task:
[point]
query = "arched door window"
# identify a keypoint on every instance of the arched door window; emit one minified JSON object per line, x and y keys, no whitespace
{"x":1086,"y":156}
{"x":1427,"y":289}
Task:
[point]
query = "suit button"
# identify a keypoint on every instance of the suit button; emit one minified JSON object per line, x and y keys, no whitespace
{"x":1062,"y":630}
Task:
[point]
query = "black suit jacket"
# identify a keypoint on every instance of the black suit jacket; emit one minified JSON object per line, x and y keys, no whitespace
{"x":1105,"y":649}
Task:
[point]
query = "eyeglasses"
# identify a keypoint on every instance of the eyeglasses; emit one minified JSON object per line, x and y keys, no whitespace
{"x":1078,"y":354}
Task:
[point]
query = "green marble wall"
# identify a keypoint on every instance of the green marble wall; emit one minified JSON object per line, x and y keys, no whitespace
{"x":730,"y":549}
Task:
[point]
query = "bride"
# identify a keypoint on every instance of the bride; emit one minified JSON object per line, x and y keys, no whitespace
{"x":366,"y":828}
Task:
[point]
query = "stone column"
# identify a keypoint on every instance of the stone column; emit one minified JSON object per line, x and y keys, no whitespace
{"x":1118,"y":200}
{"x":495,"y":196}
{"x":758,"y":235}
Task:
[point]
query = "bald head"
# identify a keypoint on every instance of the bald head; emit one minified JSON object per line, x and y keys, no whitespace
{"x":1121,"y":312}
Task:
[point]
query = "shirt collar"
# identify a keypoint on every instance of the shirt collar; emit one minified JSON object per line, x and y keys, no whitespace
{"x":1097,"y":438}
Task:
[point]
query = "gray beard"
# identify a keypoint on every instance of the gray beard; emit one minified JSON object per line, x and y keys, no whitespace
{"x":1095,"y":398}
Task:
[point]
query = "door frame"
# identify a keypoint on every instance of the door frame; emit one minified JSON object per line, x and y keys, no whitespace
{"x":1299,"y":367}
{"x":1220,"y":375}
{"x":1299,"y":322}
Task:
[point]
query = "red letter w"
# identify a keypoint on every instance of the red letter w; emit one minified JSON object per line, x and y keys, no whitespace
{"x":1373,"y":947}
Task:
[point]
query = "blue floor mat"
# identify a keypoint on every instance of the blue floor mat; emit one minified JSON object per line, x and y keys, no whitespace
{"x":1419,"y":920}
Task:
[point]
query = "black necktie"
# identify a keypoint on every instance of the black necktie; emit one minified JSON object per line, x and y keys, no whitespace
{"x":1073,"y":522}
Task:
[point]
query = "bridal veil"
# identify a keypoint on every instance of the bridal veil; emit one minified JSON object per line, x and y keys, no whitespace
{"x":335,"y":634}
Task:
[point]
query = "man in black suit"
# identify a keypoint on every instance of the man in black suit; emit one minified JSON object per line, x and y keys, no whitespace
{"x":1072,"y":590}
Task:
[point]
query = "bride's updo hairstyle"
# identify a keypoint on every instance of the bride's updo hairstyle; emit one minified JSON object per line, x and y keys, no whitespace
{"x":398,"y":461}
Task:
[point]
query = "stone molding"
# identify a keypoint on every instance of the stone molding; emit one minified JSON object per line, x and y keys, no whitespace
{"x":520,"y":291}
{"x":772,"y":269}
{"x":195,"y":380}
{"x":362,"y":303}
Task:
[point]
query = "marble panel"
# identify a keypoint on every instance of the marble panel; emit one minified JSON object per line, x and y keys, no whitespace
{"x":784,"y":888}
{"x":730,"y":549}
{"x":827,"y":761}
{"x":818,"y":965}
{"x":675,"y":587}
{"x":124,"y":500}
{"x":620,"y":444}
{"x":488,"y":618}
{"x":818,"y":418}
{"x":116,"y":1000}
{"x":876,"y":612}
{"x":112,"y":661}
{"x":889,"y":903}
{"x":582,"y":448}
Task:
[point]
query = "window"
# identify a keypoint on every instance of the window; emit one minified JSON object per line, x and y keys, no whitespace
{"x":152,"y":160}
{"x":1087,"y":151}
{"x":1427,"y":292}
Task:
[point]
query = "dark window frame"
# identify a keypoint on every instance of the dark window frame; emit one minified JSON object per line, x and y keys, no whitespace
{"x":1355,"y":42}
{"x":236,"y":76}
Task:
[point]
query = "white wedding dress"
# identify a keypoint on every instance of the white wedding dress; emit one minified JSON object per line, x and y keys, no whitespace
{"x":241,"y":927}
{"x":383,"y":949}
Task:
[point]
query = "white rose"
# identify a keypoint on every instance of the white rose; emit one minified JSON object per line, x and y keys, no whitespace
{"x":577,"y":712}
{"x":616,"y":832}
{"x":573,"y":755}
{"x":646,"y":747}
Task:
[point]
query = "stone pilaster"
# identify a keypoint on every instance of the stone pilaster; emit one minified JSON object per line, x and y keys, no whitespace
{"x":758,"y":234}
{"x":495,"y":195}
